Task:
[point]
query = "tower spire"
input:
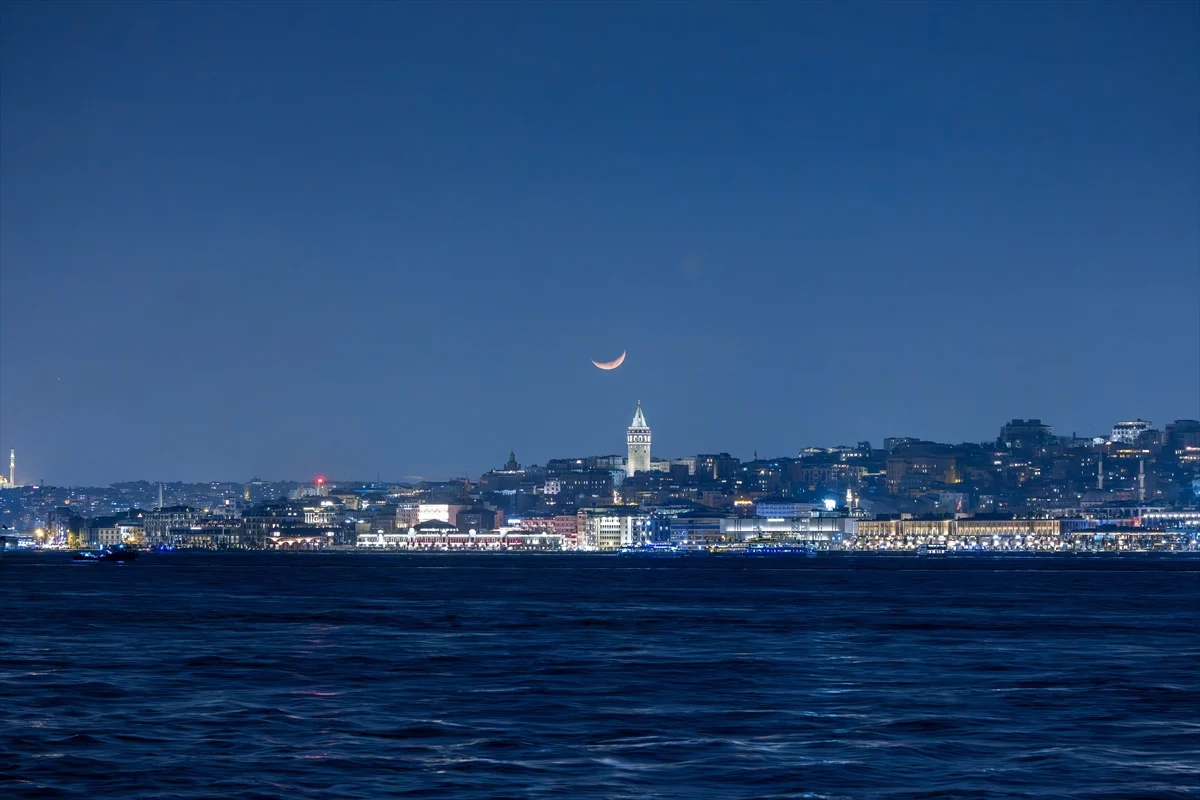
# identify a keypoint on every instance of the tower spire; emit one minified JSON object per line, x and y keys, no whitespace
{"x":638,"y":440}
{"x":639,"y":419}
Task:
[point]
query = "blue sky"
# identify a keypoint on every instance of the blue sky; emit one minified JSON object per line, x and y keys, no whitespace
{"x":279,"y":239}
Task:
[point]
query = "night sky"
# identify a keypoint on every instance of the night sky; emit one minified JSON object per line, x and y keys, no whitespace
{"x":283,"y":240}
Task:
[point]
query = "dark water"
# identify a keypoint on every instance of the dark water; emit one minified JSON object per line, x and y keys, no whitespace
{"x":330,"y":676}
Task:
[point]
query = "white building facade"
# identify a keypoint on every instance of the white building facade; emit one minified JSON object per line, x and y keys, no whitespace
{"x":605,"y":529}
{"x":1128,"y":432}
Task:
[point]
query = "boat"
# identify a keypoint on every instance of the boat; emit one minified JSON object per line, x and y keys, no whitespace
{"x":775,"y":548}
{"x":655,"y":550}
{"x":115,"y":552}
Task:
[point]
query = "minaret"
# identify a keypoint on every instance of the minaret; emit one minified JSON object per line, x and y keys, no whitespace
{"x":12,"y":467}
{"x":638,"y":439}
{"x":160,"y":502}
{"x":1100,"y":473}
{"x":1141,"y":480}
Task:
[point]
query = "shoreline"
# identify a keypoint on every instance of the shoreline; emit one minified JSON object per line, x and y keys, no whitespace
{"x":651,"y":555}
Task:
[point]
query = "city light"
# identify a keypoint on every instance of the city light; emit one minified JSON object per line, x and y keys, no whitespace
{"x":1028,"y":490}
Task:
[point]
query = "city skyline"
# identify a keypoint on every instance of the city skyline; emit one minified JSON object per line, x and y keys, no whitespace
{"x":1029,"y":489}
{"x":639,"y":427}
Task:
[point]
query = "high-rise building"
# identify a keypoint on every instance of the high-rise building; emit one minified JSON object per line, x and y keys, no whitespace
{"x":638,"y":439}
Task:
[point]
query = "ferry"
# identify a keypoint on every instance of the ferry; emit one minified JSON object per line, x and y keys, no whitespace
{"x":772,"y":549}
{"x":653,"y":550}
{"x":115,"y":552}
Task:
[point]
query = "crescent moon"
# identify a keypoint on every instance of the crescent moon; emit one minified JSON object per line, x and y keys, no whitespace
{"x":611,"y":364}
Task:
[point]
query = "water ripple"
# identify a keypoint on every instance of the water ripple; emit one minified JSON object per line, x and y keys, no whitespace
{"x":347,"y":676}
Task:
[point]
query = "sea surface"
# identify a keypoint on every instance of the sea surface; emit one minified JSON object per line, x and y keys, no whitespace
{"x":310,"y":675}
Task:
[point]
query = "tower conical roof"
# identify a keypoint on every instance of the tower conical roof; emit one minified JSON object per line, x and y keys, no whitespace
{"x":639,"y":419}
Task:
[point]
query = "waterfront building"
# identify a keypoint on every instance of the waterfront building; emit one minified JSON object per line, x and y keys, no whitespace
{"x":300,"y":537}
{"x":566,"y":527}
{"x":824,"y":531}
{"x":612,"y":528}
{"x":438,"y":535}
{"x":976,"y":533}
{"x":904,"y":534}
{"x":697,"y":530}
{"x":124,"y":531}
{"x":217,"y":534}
{"x":375,"y":540}
{"x":432,"y":533}
{"x":267,"y":521}
{"x":1009,"y":534}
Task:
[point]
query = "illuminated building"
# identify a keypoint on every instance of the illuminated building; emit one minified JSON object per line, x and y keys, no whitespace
{"x":782,"y":508}
{"x":442,"y":512}
{"x":567,"y":527}
{"x":437,"y":535}
{"x":126,"y":531}
{"x":322,"y":514}
{"x":1128,"y":432}
{"x":637,"y":438}
{"x":407,"y":515}
{"x":697,"y":530}
{"x":977,"y":533}
{"x":209,"y":535}
{"x":159,"y":523}
{"x":917,"y":468}
{"x":612,"y":528}
{"x":820,"y":530}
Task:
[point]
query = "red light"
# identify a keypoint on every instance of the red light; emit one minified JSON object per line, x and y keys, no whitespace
{"x":320,"y":481}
